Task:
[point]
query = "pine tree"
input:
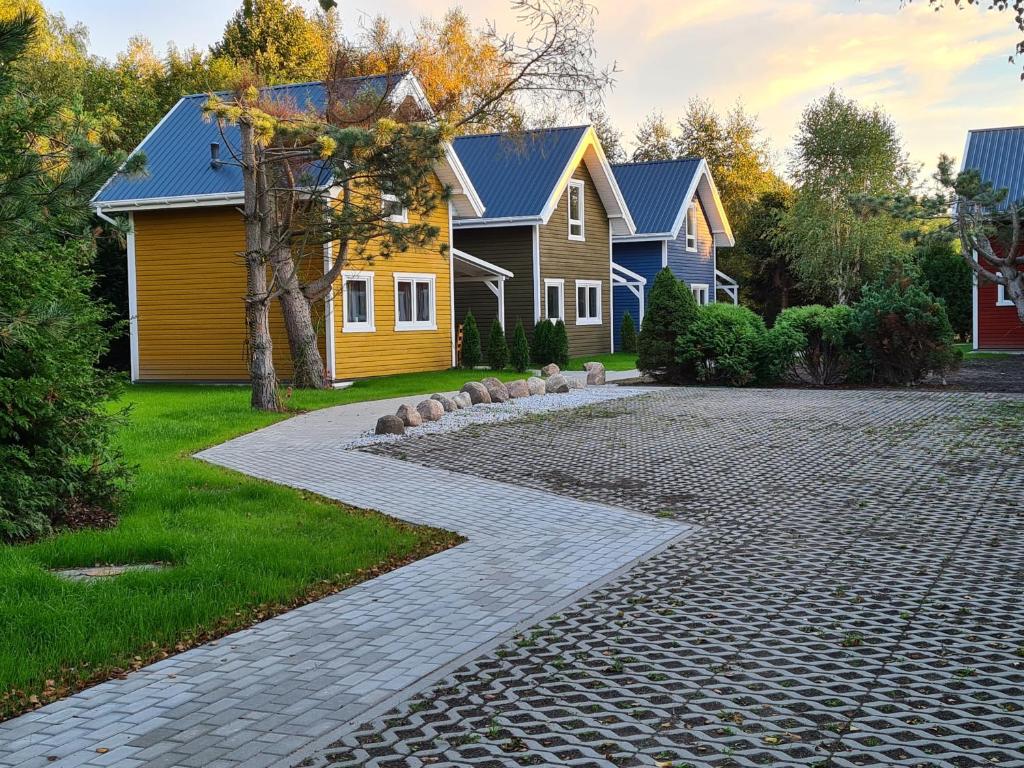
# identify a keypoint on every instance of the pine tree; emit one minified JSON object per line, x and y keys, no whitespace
{"x":671,"y":310}
{"x":560,"y":345}
{"x":542,"y":336}
{"x":497,"y":347}
{"x":519,"y":349}
{"x":628,"y":333}
{"x":471,"y":355}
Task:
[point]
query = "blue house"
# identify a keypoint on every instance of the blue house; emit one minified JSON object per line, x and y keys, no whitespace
{"x":680,"y":223}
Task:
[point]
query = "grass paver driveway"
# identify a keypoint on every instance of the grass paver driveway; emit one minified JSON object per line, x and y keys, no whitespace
{"x":855,"y":596}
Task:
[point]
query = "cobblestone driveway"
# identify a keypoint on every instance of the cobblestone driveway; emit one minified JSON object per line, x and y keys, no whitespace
{"x":856,"y":595}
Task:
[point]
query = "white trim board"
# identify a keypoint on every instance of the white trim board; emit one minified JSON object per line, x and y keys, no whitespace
{"x":133,"y":301}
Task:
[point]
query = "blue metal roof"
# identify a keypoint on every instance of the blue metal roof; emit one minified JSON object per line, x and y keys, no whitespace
{"x":178,"y":150}
{"x":515,"y":174}
{"x":998,"y":154}
{"x":656,"y":191}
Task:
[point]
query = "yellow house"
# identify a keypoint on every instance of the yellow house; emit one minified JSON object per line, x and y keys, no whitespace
{"x":187,"y":280}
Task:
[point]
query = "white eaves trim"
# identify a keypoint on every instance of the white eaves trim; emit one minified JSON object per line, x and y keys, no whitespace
{"x":484,"y":266}
{"x":505,"y":221}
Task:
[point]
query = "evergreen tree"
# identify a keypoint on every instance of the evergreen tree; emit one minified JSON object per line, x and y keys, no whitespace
{"x":671,"y":310}
{"x":497,"y":347}
{"x":560,"y":345}
{"x":471,"y":355}
{"x":628,"y":333}
{"x":519,"y":349}
{"x":542,"y":337}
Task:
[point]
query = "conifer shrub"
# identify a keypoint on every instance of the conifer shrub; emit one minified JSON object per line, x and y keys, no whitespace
{"x":541,"y":350}
{"x":560,"y":345}
{"x":471,"y":354}
{"x":519,"y":349}
{"x":671,"y":310}
{"x":628,"y":333}
{"x":497,"y":347}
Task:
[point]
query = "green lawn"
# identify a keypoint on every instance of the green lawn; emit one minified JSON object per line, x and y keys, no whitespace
{"x":241,"y":549}
{"x":970,"y":354}
{"x":616,"y":361}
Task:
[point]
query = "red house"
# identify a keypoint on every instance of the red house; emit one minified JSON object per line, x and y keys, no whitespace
{"x":998,"y":154}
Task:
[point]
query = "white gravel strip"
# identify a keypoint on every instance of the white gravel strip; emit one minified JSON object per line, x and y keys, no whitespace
{"x":453,"y":421}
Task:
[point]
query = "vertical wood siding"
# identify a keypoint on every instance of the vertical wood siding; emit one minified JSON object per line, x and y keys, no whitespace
{"x":572,"y":260}
{"x":507,"y":247}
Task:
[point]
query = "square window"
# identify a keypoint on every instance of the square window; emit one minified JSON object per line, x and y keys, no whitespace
{"x":393,"y":209}
{"x":414,"y":303}
{"x":588,"y":302}
{"x":1001,"y":300}
{"x":700,"y":292}
{"x":576,"y":210}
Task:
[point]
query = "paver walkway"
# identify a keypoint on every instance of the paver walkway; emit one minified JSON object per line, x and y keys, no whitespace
{"x":266,"y":692}
{"x":853,"y":595}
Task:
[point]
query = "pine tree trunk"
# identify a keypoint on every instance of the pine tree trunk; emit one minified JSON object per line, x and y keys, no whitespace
{"x":257,"y":299}
{"x":307,"y":365}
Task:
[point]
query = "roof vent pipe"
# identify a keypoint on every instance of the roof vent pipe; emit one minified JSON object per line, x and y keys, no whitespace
{"x":215,"y":162}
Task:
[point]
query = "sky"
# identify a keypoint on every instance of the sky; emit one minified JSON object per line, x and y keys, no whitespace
{"x":937,"y":73}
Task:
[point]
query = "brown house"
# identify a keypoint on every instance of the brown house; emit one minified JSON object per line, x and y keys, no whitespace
{"x":543,"y":245}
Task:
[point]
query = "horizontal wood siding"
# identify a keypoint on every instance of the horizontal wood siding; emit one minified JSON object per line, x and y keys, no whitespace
{"x":998,"y":326}
{"x":699,"y":266}
{"x":571,"y":260}
{"x":387,"y":351}
{"x":510,"y":248}
{"x":190,"y":283}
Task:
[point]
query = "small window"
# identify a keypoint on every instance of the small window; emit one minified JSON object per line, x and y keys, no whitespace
{"x":588,"y":302}
{"x":393,"y":209}
{"x":691,"y":227}
{"x":1001,"y":300}
{"x":554,"y":298}
{"x":576,"y":210}
{"x":357,"y":293}
{"x":414,"y":303}
{"x":700,"y":292}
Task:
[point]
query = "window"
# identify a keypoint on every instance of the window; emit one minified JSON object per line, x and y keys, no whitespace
{"x":357,"y":295}
{"x":588,"y":302}
{"x":1001,"y":300}
{"x":414,"y":303}
{"x":554,"y":299}
{"x":393,"y":209}
{"x":691,"y":227}
{"x":700,"y":292}
{"x":576,"y":210}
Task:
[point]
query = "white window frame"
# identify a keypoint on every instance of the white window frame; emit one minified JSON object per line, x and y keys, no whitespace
{"x":1001,"y":300}
{"x":701,"y":289}
{"x":558,"y":283}
{"x":403,"y":217}
{"x":350,"y":327}
{"x":575,"y":184}
{"x":417,"y":325}
{"x":580,"y":320}
{"x":691,"y":235}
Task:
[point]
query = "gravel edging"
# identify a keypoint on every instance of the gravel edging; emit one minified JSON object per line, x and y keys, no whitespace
{"x":491,"y":413}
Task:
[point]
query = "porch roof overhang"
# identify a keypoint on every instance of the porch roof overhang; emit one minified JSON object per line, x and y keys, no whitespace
{"x":468,"y":266}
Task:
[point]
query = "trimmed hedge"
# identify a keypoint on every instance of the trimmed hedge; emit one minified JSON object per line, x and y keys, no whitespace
{"x":729,"y":344}
{"x":826,"y":346}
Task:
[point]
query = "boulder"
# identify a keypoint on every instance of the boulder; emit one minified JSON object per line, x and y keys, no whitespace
{"x":430,"y":410}
{"x":535,"y":385}
{"x":518,"y":388}
{"x":410,"y":416}
{"x":477,"y":392}
{"x":557,"y":383}
{"x":550,"y":370}
{"x":496,"y":389}
{"x":595,"y":373}
{"x":463,"y":400}
{"x":446,"y":402}
{"x":390,"y":425}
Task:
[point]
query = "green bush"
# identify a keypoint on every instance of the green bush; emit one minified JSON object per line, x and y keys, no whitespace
{"x":729,"y":344}
{"x":471,"y":354}
{"x":560,"y":345}
{"x":671,"y":310}
{"x":56,"y":461}
{"x":822,"y":341}
{"x":497,"y":348}
{"x":519,"y":349}
{"x":628,"y":333}
{"x":542,"y":349}
{"x":904,"y":333}
{"x":947,"y":276}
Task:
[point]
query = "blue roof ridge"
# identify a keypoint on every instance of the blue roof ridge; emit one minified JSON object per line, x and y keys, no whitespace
{"x":687,"y":159}
{"x":997,"y":128}
{"x":525,"y":130}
